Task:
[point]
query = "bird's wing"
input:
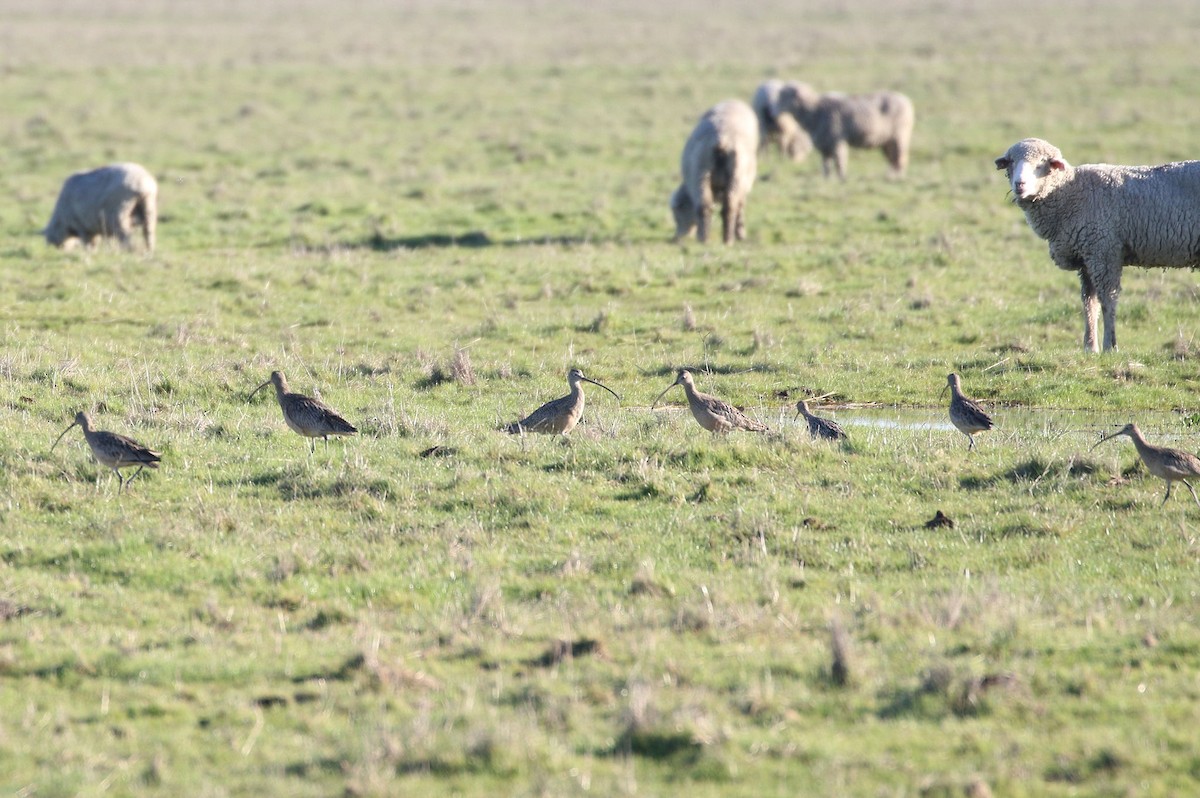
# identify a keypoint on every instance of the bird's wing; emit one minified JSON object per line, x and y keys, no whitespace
{"x":127,"y":450}
{"x":318,"y":410}
{"x":545,"y":415}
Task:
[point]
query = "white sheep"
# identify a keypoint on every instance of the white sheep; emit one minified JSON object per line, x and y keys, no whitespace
{"x":836,"y":122}
{"x":780,"y":130}
{"x":105,"y":202}
{"x":1099,"y":218}
{"x":719,"y":163}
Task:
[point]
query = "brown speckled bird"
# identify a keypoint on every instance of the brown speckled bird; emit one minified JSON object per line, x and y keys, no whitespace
{"x":112,"y":450}
{"x":307,"y":416}
{"x":710,"y":412}
{"x":965,"y":413}
{"x":558,"y":416}
{"x":1166,"y":464}
{"x":820,"y":427}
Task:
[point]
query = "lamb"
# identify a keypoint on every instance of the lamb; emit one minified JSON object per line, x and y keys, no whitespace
{"x":1099,"y":218}
{"x":105,"y":202}
{"x":719,"y":163}
{"x":781,"y":130}
{"x":836,"y":122}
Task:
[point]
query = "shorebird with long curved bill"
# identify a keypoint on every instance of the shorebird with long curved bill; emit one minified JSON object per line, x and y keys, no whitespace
{"x":714,"y":415}
{"x":307,"y":416}
{"x":965,"y":413}
{"x":558,"y":416}
{"x":819,"y":427}
{"x":112,"y":450}
{"x":1170,"y":465}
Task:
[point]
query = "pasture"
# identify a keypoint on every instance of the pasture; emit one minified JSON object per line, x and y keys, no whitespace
{"x":428,"y":212}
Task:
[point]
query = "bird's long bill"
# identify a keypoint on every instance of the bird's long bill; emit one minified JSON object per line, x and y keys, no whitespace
{"x":942,"y":392}
{"x":1107,"y":438}
{"x":256,"y":390}
{"x":605,"y":387}
{"x":661,"y":395}
{"x":64,"y":432}
{"x":797,"y":414}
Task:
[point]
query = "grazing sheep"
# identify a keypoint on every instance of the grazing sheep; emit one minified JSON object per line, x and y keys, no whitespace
{"x":1099,"y":218}
{"x":836,"y":122}
{"x":105,"y":202}
{"x":719,"y":162}
{"x":781,"y":130}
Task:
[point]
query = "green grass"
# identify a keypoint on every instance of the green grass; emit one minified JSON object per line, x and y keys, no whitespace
{"x":379,"y":199}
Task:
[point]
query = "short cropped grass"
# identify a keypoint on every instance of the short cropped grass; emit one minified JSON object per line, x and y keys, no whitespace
{"x":427,"y":213}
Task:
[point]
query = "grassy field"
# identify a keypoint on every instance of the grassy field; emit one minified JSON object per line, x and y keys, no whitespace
{"x":428,"y":212}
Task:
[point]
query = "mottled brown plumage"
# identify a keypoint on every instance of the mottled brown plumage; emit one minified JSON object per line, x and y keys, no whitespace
{"x":558,"y":416}
{"x":1166,"y":464}
{"x":965,"y":413}
{"x":710,"y":412}
{"x":307,"y":416}
{"x":112,"y":450}
{"x":820,"y":427}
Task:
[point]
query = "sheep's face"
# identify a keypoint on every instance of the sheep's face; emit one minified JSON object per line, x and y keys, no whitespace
{"x":57,"y":236}
{"x":685,"y":213}
{"x":1030,"y":166}
{"x":797,"y":99}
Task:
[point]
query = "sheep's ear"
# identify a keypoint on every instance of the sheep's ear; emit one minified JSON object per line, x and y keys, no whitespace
{"x":1003,"y":162}
{"x":1057,"y":164}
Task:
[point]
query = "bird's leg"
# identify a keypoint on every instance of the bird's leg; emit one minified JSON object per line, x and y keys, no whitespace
{"x":971,"y":438}
{"x":120,"y":481}
{"x":312,"y":446}
{"x":135,"y":473}
{"x":1193,"y":490}
{"x":1164,"y":501}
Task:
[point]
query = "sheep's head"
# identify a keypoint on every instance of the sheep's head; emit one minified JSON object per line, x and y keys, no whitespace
{"x":1032,"y":166}
{"x":685,"y":213}
{"x":797,"y":99}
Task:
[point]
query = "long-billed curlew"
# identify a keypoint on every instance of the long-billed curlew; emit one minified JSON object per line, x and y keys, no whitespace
{"x":710,"y":412}
{"x":307,"y":416}
{"x":112,"y":450}
{"x":1166,"y":464}
{"x":558,"y":416}
{"x":965,"y":413}
{"x":820,"y":427}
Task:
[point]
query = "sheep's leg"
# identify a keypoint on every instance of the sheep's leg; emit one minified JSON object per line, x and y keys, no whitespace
{"x":901,"y":148}
{"x":1091,"y":312}
{"x":739,"y":228}
{"x":703,"y":222}
{"x":728,"y":219}
{"x":149,"y":209}
{"x":1109,"y":291}
{"x":895,"y":157}
{"x":842,"y":156}
{"x":117,"y":224}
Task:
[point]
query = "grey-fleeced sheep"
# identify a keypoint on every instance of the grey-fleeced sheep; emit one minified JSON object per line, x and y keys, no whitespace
{"x":836,"y":122}
{"x":105,"y":202}
{"x":719,"y":163}
{"x":1099,"y":218}
{"x":780,"y":130}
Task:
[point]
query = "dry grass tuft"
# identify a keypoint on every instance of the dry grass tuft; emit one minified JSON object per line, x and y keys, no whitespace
{"x":689,"y":319}
{"x":840,"y":671}
{"x":645,"y":584}
{"x":460,"y":368}
{"x":562,"y":650}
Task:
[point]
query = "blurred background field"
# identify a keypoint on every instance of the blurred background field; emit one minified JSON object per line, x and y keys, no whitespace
{"x":429,"y":212}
